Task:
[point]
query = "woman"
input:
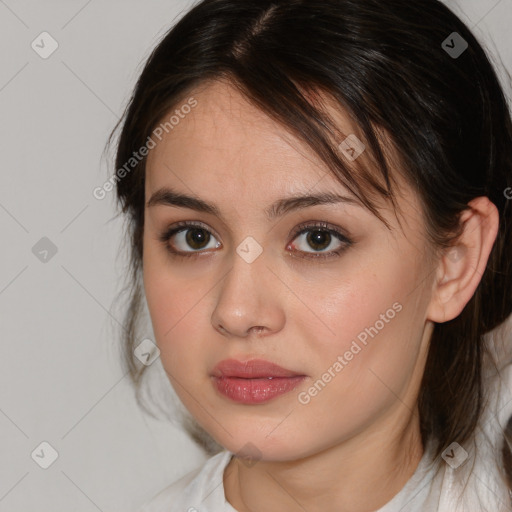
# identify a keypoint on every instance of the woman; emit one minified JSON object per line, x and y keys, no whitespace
{"x":318,"y":197}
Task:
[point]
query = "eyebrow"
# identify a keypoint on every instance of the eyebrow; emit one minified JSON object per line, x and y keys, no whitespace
{"x":168,"y":197}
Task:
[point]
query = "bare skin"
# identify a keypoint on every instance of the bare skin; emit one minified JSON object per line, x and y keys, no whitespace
{"x":356,"y":442}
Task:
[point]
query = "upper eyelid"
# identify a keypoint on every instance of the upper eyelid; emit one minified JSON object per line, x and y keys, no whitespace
{"x":327,"y":226}
{"x":320,"y":225}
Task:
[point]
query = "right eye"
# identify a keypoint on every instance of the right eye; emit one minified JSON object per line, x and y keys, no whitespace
{"x":183,"y":236}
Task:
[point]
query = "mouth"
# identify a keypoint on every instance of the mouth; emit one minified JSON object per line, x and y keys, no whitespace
{"x":253,"y":382}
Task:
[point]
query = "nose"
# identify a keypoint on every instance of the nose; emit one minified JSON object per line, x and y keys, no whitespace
{"x":250,"y":299}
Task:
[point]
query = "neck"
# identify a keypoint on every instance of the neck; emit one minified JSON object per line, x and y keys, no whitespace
{"x":356,"y":475}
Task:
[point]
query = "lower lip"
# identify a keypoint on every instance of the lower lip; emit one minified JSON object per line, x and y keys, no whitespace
{"x":255,"y":391}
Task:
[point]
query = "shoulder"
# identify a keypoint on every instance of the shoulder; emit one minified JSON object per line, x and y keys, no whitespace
{"x":191,"y":490}
{"x":483,"y":479}
{"x":498,"y":380}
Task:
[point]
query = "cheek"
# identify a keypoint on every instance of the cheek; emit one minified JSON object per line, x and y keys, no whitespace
{"x":369,"y":315}
{"x":166,"y":292}
{"x":376,"y":318}
{"x":174,"y":304}
{"x":180,"y":334}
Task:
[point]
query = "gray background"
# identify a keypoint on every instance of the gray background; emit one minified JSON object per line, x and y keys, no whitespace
{"x":60,"y":377}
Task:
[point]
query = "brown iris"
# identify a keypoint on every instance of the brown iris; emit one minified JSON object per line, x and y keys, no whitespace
{"x":319,"y":238}
{"x":197,"y":238}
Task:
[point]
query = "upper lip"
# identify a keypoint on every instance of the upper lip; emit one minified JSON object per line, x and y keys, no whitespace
{"x":252,"y":369}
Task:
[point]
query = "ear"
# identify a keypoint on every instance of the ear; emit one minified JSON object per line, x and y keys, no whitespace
{"x":461,"y":267}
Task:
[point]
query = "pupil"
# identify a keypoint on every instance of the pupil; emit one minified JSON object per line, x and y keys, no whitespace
{"x":196,"y":237}
{"x":319,"y":238}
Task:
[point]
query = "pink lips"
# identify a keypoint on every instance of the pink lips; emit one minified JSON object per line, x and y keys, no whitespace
{"x":255,"y":381}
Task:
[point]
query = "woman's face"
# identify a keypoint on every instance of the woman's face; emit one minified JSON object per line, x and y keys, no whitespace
{"x":347,"y":315}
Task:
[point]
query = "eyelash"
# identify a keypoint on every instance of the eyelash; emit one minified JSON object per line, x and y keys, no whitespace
{"x":300,"y":230}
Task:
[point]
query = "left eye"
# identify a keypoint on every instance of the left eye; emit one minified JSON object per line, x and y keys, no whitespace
{"x":319,"y":240}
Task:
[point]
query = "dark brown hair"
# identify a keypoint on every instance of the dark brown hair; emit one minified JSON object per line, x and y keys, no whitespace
{"x":386,"y":64}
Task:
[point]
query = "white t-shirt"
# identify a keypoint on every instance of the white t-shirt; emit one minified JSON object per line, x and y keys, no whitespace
{"x":202,"y":490}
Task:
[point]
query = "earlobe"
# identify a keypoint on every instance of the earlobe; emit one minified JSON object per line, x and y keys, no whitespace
{"x":460,"y":268}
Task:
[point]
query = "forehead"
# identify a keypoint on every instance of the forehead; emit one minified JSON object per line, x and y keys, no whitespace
{"x":226,"y":137}
{"x":227,"y":149}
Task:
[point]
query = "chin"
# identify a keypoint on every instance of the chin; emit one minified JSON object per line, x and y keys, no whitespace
{"x":255,"y":446}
